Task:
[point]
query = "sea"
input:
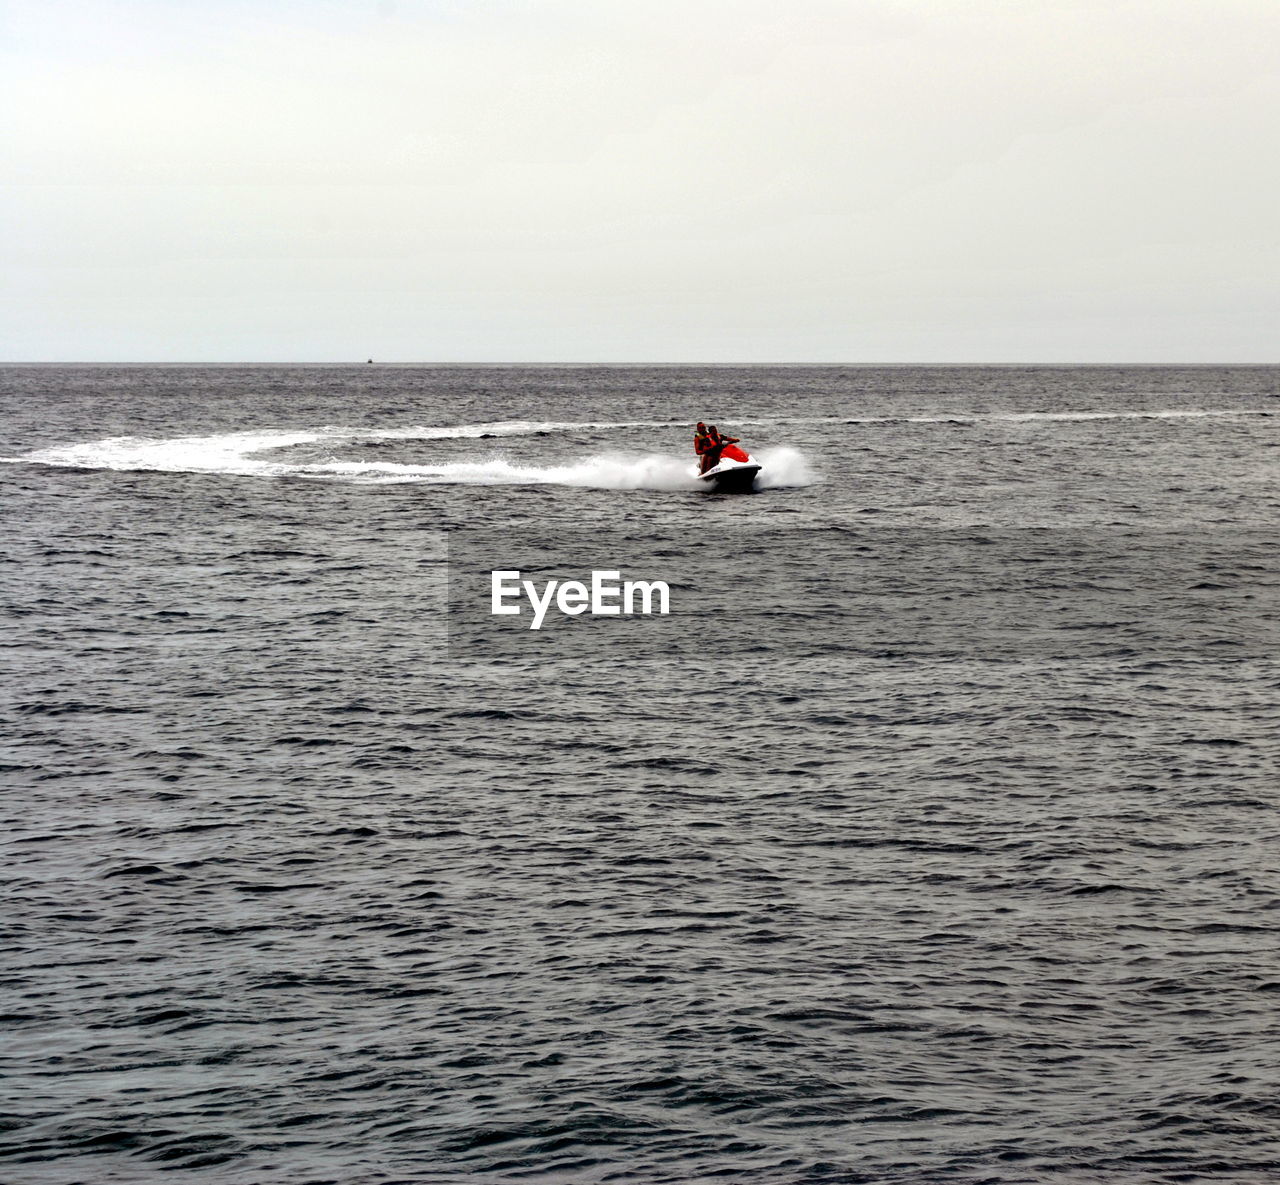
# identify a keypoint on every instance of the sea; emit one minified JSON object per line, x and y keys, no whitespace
{"x":930,"y":835}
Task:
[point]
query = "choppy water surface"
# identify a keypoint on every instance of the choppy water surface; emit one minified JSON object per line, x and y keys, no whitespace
{"x":955,"y":861}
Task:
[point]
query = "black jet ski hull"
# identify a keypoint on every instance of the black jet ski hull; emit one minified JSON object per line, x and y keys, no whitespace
{"x":732,"y":477}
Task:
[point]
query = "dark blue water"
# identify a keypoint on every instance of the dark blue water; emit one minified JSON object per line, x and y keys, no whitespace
{"x":932,"y":837}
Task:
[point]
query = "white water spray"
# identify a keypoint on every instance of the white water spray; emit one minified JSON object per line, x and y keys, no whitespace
{"x":242,"y":454}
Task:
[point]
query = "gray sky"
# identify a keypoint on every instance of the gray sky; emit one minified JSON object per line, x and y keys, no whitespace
{"x":640,"y":180}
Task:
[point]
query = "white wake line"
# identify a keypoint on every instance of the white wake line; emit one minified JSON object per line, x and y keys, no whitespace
{"x":260,"y":440}
{"x":233,"y":453}
{"x":238,"y":454}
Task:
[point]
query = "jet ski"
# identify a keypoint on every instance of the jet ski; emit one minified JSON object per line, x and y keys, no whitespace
{"x":734,"y":473}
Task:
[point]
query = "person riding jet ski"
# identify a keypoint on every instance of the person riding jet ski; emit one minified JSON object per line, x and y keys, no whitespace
{"x":724,"y":467}
{"x":709,"y":443}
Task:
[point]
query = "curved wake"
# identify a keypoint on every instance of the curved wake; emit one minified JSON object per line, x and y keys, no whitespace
{"x":241,"y":454}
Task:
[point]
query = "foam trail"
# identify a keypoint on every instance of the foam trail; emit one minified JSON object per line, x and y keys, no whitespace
{"x":232,"y":452}
{"x":229,"y":453}
{"x":240,"y":454}
{"x":236,"y":453}
{"x":783,"y":468}
{"x":619,"y":471}
{"x":605,"y":472}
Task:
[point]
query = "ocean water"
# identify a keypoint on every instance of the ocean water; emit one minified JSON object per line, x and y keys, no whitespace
{"x":932,"y":836}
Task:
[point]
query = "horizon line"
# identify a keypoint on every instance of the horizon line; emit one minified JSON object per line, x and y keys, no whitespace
{"x":619,"y":365}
